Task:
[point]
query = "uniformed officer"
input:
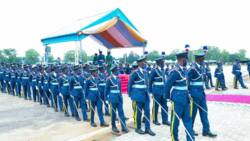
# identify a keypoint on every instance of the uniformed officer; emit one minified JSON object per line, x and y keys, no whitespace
{"x":109,"y":62}
{"x":40,"y":79}
{"x":77,"y":95}
{"x":7,"y":80}
{"x":46,"y":87}
{"x":65,"y":91}
{"x":208,"y":76}
{"x":100,"y":58}
{"x":102,"y":79}
{"x":18,"y":82}
{"x":33,"y":84}
{"x":238,"y":75}
{"x":156,"y":87}
{"x":54,"y":88}
{"x":196,"y":89}
{"x":13,"y":80}
{"x":25,"y":83}
{"x":113,"y":95}
{"x":2,"y":71}
{"x":220,"y":79}
{"x":180,"y":98}
{"x":93,"y":95}
{"x":138,"y":92}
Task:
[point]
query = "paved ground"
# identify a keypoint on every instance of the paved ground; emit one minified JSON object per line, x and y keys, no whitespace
{"x":22,"y":120}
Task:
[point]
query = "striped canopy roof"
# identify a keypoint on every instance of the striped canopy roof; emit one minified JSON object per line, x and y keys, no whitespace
{"x":112,"y":30}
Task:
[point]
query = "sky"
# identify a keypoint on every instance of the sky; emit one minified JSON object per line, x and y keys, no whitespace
{"x":166,"y":24}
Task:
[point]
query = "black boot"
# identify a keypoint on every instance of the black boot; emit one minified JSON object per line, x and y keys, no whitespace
{"x":150,"y":132}
{"x":209,"y":134}
{"x":93,"y":125}
{"x":104,"y":124}
{"x":115,"y":130}
{"x":139,"y":131}
{"x":156,"y":123}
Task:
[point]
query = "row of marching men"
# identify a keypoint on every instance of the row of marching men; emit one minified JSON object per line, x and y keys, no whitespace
{"x":184,"y":88}
{"x":69,"y":88}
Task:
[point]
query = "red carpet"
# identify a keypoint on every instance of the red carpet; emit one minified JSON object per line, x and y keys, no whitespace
{"x":244,"y":99}
{"x":210,"y":97}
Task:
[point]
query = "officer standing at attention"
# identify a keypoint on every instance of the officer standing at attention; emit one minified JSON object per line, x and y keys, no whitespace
{"x":238,"y":75}
{"x":220,"y":79}
{"x":25,"y":83}
{"x":102,"y":78}
{"x":113,"y":95}
{"x":93,"y":95}
{"x":109,"y":62}
{"x":77,"y":96}
{"x":208,"y":76}
{"x":138,"y":92}
{"x":180,"y":97}
{"x":156,"y":87}
{"x":100,"y":58}
{"x":196,"y":89}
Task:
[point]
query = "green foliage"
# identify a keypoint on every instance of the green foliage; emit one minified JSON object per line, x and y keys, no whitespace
{"x":153,"y":55}
{"x":69,"y":56}
{"x":132,"y":57}
{"x":31,"y":56}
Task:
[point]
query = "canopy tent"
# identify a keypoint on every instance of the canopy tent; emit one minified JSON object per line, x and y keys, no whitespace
{"x":111,"y":29}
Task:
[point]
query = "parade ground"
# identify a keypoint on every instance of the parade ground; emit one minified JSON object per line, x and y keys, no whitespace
{"x":23,"y":120}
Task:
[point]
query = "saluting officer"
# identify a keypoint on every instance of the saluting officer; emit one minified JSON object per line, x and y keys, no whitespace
{"x":196,"y":88}
{"x":138,"y":92}
{"x":156,"y":87}
{"x":113,"y":95}
{"x":177,"y":91}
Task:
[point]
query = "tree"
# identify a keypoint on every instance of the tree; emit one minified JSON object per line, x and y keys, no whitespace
{"x":51,"y":58}
{"x":31,"y":56}
{"x":224,"y":56}
{"x":9,"y":55}
{"x":69,"y":56}
{"x":132,"y":57}
{"x":213,"y":53}
{"x":2,"y":57}
{"x":153,"y":55}
{"x":172,"y":55}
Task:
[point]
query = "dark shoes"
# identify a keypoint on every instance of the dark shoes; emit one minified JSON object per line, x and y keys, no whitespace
{"x":139,"y":131}
{"x":125,"y":130}
{"x":195,"y":133}
{"x":115,"y":130}
{"x":104,"y":125}
{"x":77,"y":119}
{"x":166,"y":123}
{"x":93,"y":125}
{"x":209,"y":134}
{"x":156,"y":123}
{"x":150,"y":132}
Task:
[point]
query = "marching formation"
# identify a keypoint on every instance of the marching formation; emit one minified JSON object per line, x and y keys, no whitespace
{"x":97,"y":88}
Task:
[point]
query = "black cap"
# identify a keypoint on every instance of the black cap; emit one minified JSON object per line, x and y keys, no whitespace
{"x":143,"y":58}
{"x":93,"y":68}
{"x":199,"y":55}
{"x":159,"y":59}
{"x":182,"y":55}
